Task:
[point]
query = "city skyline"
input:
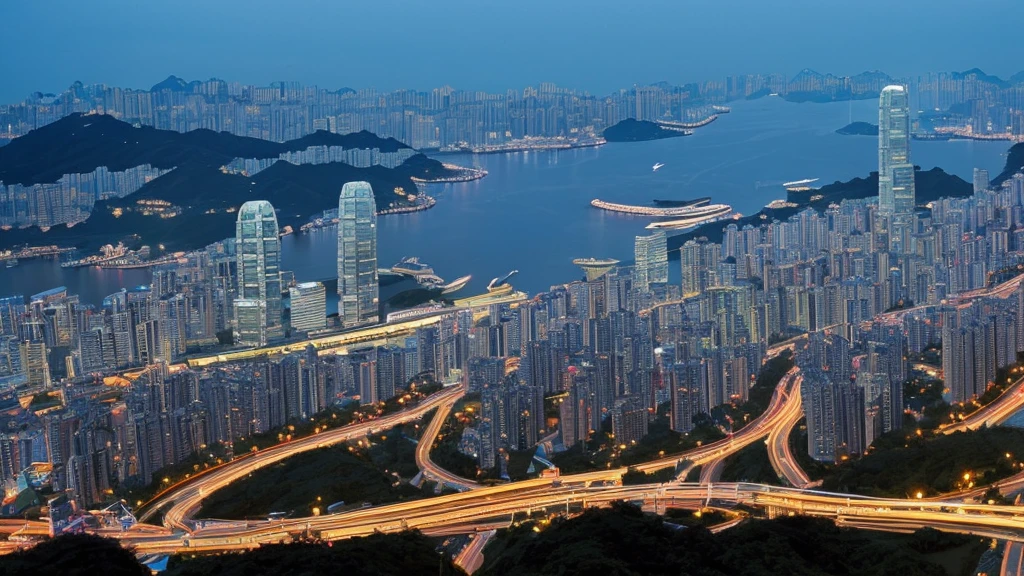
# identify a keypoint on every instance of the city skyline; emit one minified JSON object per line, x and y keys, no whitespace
{"x":659,"y":290}
{"x":420,"y":62}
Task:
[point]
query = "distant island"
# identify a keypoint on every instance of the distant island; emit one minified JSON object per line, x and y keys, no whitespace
{"x":633,"y":130}
{"x":859,"y":129}
{"x":201,"y":194}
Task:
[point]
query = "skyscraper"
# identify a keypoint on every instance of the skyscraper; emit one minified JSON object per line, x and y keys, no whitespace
{"x":651,"y":253}
{"x":357,"y":255}
{"x":309,"y":306}
{"x":980,"y":180}
{"x":258,"y":254}
{"x":896,"y":196}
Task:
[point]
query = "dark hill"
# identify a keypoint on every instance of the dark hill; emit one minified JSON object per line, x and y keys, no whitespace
{"x":930,"y":185}
{"x":297,"y":192}
{"x":981,"y":75}
{"x":73,"y":554}
{"x":82,"y":143}
{"x":407,"y":553}
{"x":361,"y":139}
{"x":1014,"y":164}
{"x":623,"y":541}
{"x":859,"y":129}
{"x":172,"y":83}
{"x":633,"y":130}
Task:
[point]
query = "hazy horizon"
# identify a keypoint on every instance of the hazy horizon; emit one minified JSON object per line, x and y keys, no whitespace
{"x":597,"y":46}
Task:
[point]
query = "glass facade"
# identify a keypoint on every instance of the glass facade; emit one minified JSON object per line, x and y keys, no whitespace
{"x":651,"y":253}
{"x":896,"y":195}
{"x":258,"y":256}
{"x":357,"y":255}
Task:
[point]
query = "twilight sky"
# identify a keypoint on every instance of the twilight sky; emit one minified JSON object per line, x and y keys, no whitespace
{"x":597,"y":45}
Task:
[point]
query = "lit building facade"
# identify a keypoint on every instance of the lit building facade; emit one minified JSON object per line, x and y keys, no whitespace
{"x":357,"y":255}
{"x":896,"y":194}
{"x":651,"y":253}
{"x":308,"y":306}
{"x":258,"y":257}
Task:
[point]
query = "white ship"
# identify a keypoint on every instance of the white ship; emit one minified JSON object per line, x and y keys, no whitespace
{"x":714,"y":213}
{"x":799,"y":185}
{"x":657,"y":166}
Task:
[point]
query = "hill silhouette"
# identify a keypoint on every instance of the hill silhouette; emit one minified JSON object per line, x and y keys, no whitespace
{"x":930,"y":185}
{"x":859,"y":129}
{"x":206,"y":195}
{"x":73,"y":554}
{"x":407,"y":553}
{"x":624,"y":541}
{"x":1014,"y":164}
{"x":84,"y":142}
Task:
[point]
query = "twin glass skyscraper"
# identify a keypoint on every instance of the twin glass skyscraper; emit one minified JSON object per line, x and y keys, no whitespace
{"x":257,"y":305}
{"x":357,"y":255}
{"x":896,"y":195}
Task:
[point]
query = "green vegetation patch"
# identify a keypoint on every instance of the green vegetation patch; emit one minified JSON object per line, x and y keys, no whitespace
{"x":624,"y":541}
{"x":750,"y":464}
{"x":900,"y":465}
{"x":374,"y":469}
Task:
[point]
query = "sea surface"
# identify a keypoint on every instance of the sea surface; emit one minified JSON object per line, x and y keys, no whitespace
{"x":532,"y":212}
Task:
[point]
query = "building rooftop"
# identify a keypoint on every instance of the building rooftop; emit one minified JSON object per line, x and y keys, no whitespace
{"x":51,"y":292}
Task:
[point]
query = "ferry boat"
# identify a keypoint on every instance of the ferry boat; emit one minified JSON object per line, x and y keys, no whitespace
{"x":800,"y":185}
{"x":681,"y":212}
{"x":721,"y":212}
{"x":412,"y":267}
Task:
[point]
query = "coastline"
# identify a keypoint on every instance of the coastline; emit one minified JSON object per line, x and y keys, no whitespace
{"x":518,"y":146}
{"x":462,"y":174}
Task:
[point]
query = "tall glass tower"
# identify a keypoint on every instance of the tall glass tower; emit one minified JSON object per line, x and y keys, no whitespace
{"x":258,"y":256}
{"x":896,"y":196}
{"x":651,"y":255}
{"x":357,"y":255}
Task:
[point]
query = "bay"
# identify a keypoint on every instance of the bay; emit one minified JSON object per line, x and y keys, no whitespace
{"x":532,"y":212}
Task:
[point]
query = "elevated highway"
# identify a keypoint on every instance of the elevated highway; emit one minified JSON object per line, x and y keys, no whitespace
{"x":185,"y":499}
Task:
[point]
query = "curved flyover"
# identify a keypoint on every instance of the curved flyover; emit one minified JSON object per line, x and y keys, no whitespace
{"x":426,"y":442}
{"x":186,"y":499}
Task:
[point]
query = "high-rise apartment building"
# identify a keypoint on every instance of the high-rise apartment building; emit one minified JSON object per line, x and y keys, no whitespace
{"x":896,"y":195}
{"x":258,"y":257}
{"x":357,"y":255}
{"x":651,"y":253}
{"x":980,"y":180}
